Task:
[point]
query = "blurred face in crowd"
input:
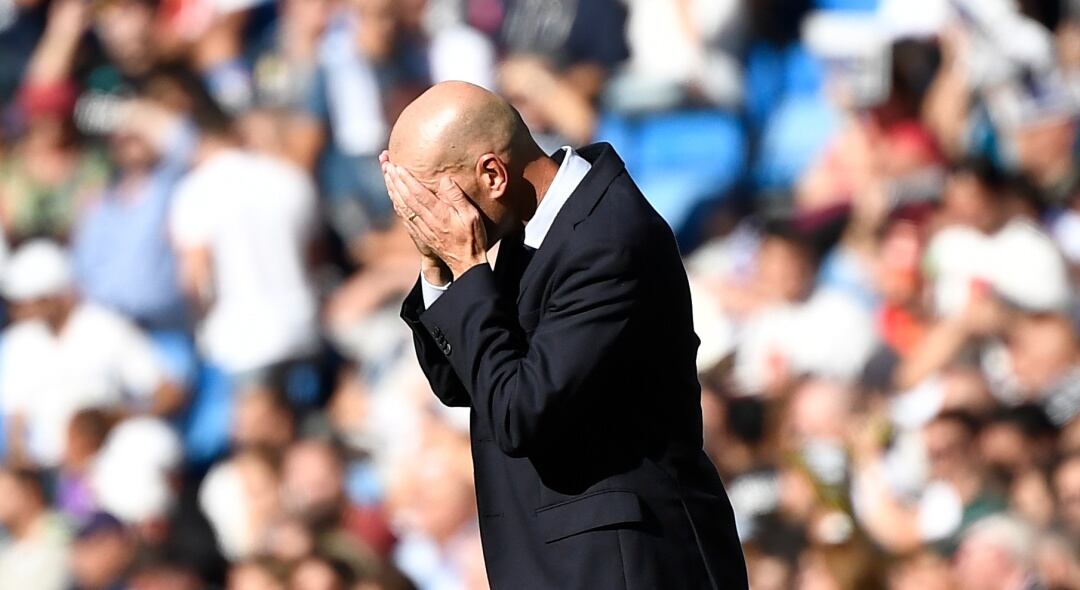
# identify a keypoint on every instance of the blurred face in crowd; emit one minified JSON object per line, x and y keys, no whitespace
{"x":784,"y":270}
{"x":821,"y":410}
{"x":316,"y":574}
{"x":948,"y":447}
{"x":1067,"y":490}
{"x":982,"y":564}
{"x":1057,"y":562}
{"x":1042,"y":348}
{"x":308,"y":15}
{"x":969,"y":202}
{"x":126,"y":30}
{"x":378,"y":22}
{"x":262,"y":419}
{"x":101,"y":558}
{"x":312,"y":482}
{"x":17,"y":499}
{"x":898,"y":276}
{"x":1044,"y":149}
{"x":131,"y":153}
{"x":925,"y":571}
{"x":166,"y":577}
{"x":253,"y":576}
{"x":1003,"y":447}
{"x":52,"y":310}
{"x":289,"y":541}
{"x":443,"y":502}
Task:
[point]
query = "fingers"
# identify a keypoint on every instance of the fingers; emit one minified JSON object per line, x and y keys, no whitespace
{"x":418,"y":218}
{"x":412,"y":188}
{"x":384,"y":159}
{"x":451,"y":192}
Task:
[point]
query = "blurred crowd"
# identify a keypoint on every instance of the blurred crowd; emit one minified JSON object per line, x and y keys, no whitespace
{"x":204,"y":382}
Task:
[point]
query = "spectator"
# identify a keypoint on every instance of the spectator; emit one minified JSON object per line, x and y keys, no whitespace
{"x":956,"y":494}
{"x":86,"y":434}
{"x":996,"y":554}
{"x":62,"y":355}
{"x":1067,"y":491}
{"x":243,"y":256}
{"x":314,"y":493}
{"x":102,"y":554}
{"x":240,"y":498}
{"x":369,"y":69}
{"x":558,"y":58}
{"x":256,"y":575}
{"x":50,"y":175}
{"x":263,"y":419}
{"x":34,"y":555}
{"x":1043,"y":138}
{"x":438,"y":507}
{"x":123,"y":259}
{"x":681,"y":53}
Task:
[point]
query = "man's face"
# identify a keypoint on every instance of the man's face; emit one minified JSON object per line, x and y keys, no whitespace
{"x":497,"y":222}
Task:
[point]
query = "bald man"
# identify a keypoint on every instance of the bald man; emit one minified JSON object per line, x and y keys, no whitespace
{"x":575,"y":353}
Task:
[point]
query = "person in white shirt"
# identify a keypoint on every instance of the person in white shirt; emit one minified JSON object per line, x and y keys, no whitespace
{"x":61,"y":355}
{"x":243,"y":223}
{"x":34,"y":553}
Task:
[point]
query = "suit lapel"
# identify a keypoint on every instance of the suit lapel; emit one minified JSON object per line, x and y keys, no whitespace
{"x":606,"y":165}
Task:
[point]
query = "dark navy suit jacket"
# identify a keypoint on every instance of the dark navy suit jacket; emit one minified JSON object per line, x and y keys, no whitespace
{"x":578,"y":363}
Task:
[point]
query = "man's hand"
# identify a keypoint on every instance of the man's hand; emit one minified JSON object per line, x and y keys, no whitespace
{"x":432,"y":267}
{"x":444,"y":224}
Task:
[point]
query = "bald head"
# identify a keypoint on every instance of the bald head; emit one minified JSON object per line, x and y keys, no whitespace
{"x":474,"y":137}
{"x":452,"y":125}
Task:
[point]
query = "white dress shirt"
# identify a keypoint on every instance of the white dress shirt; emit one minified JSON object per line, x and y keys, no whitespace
{"x":571,"y":172}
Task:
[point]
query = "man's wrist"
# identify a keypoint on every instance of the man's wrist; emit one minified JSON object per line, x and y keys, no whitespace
{"x":467,"y":266}
{"x":436,"y":272}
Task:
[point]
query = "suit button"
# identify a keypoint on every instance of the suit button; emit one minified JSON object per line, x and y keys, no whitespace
{"x":437,"y":333}
{"x":446,"y":348}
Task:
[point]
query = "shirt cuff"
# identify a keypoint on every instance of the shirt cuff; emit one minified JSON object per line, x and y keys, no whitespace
{"x":431,"y":292}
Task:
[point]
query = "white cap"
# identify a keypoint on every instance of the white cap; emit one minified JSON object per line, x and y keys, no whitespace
{"x":130,"y":475}
{"x":39,"y":268}
{"x":1028,"y":270}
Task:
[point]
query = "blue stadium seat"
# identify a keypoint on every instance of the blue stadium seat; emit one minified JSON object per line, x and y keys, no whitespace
{"x":849,"y":5}
{"x":793,"y":136}
{"x":774,"y":73}
{"x":206,"y":427}
{"x":678,"y":158}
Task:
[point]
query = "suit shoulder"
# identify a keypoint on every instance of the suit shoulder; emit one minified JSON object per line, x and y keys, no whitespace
{"x":626,"y":218}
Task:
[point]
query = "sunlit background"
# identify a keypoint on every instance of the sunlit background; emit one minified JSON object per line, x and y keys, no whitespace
{"x":204,"y":382}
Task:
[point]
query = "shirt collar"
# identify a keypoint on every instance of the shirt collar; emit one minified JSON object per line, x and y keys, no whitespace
{"x":571,"y":172}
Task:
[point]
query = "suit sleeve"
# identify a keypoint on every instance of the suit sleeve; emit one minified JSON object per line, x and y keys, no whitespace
{"x":446,"y":385}
{"x":517,"y":384}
